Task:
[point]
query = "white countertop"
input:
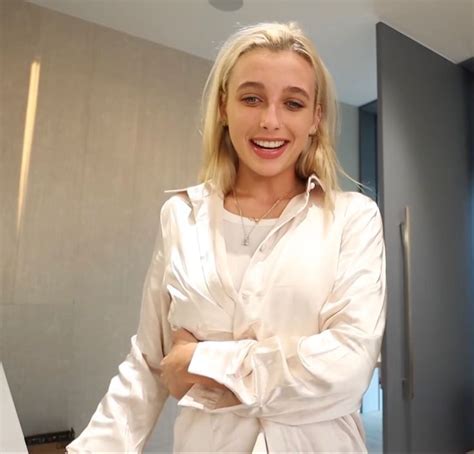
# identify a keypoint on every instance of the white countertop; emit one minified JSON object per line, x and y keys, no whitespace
{"x":11,"y":435}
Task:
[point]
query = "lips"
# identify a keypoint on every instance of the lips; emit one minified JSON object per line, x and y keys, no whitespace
{"x":269,"y":149}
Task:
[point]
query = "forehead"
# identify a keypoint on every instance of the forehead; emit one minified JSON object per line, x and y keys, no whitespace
{"x":273,"y":68}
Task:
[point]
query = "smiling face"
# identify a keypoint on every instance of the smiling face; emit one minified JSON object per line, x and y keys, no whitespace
{"x":270,"y":110}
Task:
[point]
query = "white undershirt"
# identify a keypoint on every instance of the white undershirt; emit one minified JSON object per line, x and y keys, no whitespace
{"x":238,"y":255}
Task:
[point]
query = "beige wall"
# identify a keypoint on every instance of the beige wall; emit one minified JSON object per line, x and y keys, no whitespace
{"x":115,"y":125}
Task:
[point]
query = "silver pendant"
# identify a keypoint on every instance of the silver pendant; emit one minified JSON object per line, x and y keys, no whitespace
{"x":245,"y":242}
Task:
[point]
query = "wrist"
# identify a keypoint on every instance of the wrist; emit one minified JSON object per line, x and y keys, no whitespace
{"x":190,"y":349}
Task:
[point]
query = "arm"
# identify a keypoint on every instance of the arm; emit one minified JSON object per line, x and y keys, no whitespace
{"x":318,"y":377}
{"x":173,"y":370}
{"x":128,"y":412}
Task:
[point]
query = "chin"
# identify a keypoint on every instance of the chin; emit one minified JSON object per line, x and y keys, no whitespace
{"x":268,"y":170}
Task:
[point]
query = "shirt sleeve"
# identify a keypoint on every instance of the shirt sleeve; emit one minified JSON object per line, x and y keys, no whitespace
{"x":313,"y":378}
{"x":128,"y":412}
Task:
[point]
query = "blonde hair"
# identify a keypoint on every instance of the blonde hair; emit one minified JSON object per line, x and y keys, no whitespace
{"x":220,"y":159}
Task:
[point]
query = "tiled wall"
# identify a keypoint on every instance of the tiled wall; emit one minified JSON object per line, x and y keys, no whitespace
{"x":115,"y":124}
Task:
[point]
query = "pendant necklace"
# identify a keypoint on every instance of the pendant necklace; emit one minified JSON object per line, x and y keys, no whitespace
{"x":246,"y":235}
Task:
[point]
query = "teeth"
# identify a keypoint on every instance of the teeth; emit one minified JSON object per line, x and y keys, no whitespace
{"x":269,"y":143}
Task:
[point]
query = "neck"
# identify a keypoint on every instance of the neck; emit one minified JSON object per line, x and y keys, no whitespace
{"x":267,"y":189}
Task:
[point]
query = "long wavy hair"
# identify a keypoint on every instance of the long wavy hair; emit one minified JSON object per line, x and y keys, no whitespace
{"x":220,"y":159}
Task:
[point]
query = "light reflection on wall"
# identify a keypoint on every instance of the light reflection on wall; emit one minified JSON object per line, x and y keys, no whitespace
{"x":28,"y":141}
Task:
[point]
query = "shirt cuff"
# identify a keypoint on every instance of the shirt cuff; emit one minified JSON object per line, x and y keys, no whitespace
{"x":220,"y":360}
{"x":209,"y":400}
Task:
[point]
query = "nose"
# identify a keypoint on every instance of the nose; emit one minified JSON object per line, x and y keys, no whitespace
{"x":270,"y":119}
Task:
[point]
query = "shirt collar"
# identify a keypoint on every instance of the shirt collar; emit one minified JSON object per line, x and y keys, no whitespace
{"x":204,"y":189}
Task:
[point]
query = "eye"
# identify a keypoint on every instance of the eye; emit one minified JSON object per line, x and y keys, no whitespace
{"x":251,"y":100}
{"x":294,"y":105}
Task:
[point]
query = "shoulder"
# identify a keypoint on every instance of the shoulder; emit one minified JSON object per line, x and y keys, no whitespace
{"x":182,"y":200}
{"x":354,"y":210}
{"x":347,"y":202}
{"x":176,"y":201}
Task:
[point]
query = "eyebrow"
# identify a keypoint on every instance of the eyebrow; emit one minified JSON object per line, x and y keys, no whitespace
{"x":292,"y":89}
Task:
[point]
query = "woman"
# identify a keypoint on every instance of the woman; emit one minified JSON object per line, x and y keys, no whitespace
{"x":263,"y":309}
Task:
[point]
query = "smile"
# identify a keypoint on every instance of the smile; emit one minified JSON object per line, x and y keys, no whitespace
{"x":269,"y":149}
{"x":271,"y":144}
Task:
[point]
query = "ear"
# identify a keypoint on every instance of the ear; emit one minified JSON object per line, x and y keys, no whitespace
{"x":316,"y":119}
{"x":223,"y":110}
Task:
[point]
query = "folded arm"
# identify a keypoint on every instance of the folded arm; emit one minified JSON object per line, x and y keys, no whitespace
{"x":323,"y":376}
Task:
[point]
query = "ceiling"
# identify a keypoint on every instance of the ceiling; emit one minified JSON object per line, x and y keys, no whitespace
{"x":343,"y":30}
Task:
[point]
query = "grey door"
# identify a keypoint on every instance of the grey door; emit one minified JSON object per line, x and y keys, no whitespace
{"x":424,"y":165}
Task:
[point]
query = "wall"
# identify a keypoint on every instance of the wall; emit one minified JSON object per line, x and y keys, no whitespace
{"x":348,"y":145}
{"x":469,"y":74}
{"x":114,"y":123}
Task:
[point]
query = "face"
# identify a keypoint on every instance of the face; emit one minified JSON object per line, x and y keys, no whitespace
{"x":270,"y":110}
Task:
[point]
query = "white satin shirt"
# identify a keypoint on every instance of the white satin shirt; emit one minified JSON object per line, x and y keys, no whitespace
{"x":297,"y":343}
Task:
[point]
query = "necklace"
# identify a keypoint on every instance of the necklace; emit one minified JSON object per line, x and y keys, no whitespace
{"x":246,"y":237}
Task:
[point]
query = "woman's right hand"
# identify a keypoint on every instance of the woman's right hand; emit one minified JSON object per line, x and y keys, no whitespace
{"x":173,"y":370}
{"x":176,"y":388}
{"x":179,"y":389}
